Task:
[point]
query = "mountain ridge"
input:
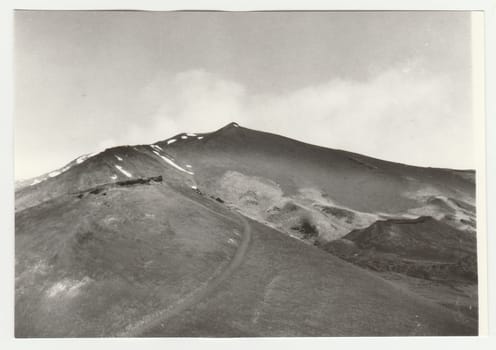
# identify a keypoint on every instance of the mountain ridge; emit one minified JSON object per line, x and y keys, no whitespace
{"x":25,"y":181}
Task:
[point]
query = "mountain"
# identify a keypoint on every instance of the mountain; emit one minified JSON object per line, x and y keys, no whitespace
{"x":422,"y":247}
{"x":244,"y":233}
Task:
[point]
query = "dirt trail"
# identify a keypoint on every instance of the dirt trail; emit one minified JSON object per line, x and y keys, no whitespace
{"x":161,"y":316}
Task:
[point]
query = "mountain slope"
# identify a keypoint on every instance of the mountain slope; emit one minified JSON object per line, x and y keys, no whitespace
{"x":419,"y":247}
{"x":287,"y":288}
{"x":148,"y":240}
{"x":98,"y":263}
{"x":260,"y":173}
{"x":352,"y":180}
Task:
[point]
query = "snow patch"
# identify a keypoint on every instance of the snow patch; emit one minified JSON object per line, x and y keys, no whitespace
{"x":200,"y":137}
{"x":118,"y":158}
{"x":184,"y":137}
{"x":156,"y":147}
{"x":194,"y":187}
{"x":114,"y":177}
{"x":36,"y":181}
{"x":188,"y":166}
{"x":171,"y":162}
{"x":85,"y":157}
{"x":171,"y":141}
{"x":58,"y":172}
{"x":191,"y":134}
{"x":128,"y":174}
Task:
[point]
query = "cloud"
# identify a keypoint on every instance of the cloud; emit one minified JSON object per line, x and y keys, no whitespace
{"x":397,"y":115}
{"x":402,"y":114}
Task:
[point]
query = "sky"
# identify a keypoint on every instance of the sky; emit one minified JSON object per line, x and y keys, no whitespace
{"x":392,"y":85}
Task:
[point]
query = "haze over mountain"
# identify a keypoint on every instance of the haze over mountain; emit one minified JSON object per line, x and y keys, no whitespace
{"x":240,"y":232}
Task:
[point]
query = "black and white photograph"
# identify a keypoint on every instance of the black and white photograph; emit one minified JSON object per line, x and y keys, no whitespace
{"x":246,"y":174}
